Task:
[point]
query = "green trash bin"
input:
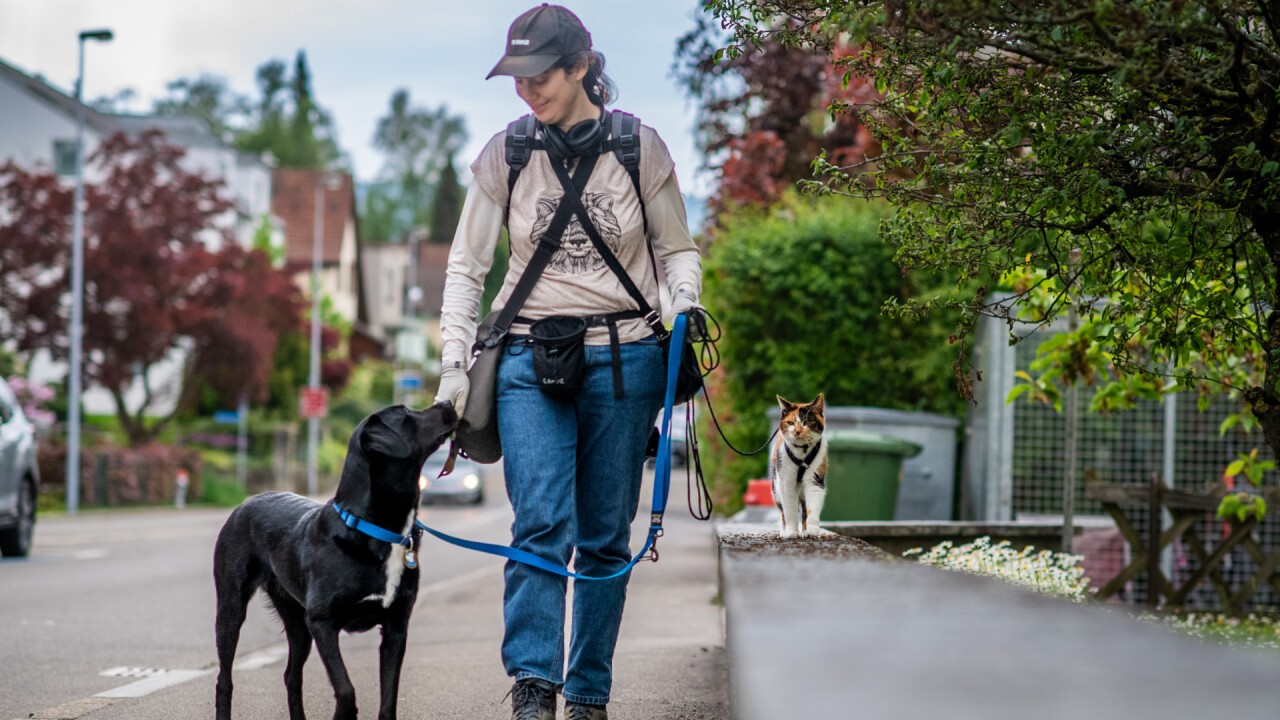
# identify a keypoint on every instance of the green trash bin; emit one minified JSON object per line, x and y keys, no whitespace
{"x":864,"y":470}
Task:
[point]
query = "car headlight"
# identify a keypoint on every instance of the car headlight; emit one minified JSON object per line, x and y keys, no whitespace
{"x":471,"y":482}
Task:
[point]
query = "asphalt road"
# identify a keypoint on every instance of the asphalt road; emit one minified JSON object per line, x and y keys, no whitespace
{"x":122,"y":602}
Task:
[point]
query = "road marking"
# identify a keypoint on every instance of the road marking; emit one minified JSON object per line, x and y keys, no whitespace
{"x":73,"y":709}
{"x":269,"y":655}
{"x":153,"y":679}
{"x":89,"y":554}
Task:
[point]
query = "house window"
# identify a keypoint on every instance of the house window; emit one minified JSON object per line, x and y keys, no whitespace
{"x":64,"y":157}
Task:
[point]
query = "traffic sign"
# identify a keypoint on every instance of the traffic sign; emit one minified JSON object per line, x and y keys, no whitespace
{"x":313,"y":402}
{"x":409,"y":381}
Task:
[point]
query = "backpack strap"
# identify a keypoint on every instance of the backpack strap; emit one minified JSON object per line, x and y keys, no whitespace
{"x":624,"y":134}
{"x":518,"y":148}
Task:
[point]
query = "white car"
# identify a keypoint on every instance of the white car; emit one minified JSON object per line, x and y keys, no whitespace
{"x":465,"y":484}
{"x":19,"y":476}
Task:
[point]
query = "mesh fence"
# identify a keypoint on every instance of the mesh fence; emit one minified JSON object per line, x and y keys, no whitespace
{"x":1122,"y":447}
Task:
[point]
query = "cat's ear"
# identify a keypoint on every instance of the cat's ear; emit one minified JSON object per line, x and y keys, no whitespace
{"x":819,"y":403}
{"x":786,"y":405}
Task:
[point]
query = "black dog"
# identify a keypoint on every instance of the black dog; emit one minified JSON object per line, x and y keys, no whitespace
{"x":323,"y":574}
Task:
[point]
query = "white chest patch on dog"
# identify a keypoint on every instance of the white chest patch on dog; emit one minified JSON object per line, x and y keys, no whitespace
{"x":394,"y":568}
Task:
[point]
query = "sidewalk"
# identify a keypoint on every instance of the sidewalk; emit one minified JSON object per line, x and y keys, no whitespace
{"x":670,"y":663}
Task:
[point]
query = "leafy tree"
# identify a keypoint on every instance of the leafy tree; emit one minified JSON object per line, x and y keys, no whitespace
{"x":246,"y":304}
{"x":1118,"y":156}
{"x":417,"y":145}
{"x":762,"y":114}
{"x":447,"y":207}
{"x":206,"y":97}
{"x":288,"y":122}
{"x":151,"y":285}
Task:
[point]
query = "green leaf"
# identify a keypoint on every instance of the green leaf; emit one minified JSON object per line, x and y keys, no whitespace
{"x":1230,"y":422}
{"x":1234,"y":468}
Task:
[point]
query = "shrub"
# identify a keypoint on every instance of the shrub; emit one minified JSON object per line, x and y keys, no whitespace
{"x":798,"y":290}
{"x":114,"y":475}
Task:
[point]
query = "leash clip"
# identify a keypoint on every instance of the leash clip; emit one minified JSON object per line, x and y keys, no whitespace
{"x":652,"y":555}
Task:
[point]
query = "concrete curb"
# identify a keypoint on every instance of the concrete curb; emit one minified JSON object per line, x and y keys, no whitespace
{"x":830,"y":628}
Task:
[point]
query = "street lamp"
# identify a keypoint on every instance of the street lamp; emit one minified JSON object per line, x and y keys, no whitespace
{"x":326,"y":181}
{"x":77,"y":289}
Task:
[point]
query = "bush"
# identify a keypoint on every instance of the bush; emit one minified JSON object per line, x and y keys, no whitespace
{"x":111,"y":475}
{"x":798,"y":290}
{"x":222,"y":491}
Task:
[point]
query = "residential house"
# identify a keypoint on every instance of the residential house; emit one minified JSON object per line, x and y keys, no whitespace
{"x":38,"y":130}
{"x":301,"y":199}
{"x":405,"y":288}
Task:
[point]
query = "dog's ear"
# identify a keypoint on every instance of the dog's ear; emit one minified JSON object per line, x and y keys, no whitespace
{"x":379,"y":437}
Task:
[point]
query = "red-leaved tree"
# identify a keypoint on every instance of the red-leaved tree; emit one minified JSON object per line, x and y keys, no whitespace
{"x":152,"y":285}
{"x":763,"y":116}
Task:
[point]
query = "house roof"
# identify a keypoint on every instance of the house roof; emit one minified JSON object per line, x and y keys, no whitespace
{"x":40,"y":88}
{"x":294,"y":202}
{"x":183,"y":131}
{"x":433,"y":261}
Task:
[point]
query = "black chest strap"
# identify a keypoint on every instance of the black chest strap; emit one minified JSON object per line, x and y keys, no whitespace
{"x":806,"y":462}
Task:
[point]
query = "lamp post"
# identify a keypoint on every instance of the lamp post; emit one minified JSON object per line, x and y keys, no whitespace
{"x":326,"y":181}
{"x":77,"y":288}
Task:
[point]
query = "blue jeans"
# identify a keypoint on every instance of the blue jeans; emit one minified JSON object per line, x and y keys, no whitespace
{"x":573,"y":469}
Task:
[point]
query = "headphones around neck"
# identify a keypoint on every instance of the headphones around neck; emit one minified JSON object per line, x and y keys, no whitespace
{"x":582,"y":139}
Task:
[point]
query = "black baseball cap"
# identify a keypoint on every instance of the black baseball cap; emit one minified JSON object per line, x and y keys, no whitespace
{"x":540,"y":37}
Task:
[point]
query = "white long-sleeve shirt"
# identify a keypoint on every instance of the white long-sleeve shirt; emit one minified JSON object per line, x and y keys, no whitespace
{"x":576,"y":282}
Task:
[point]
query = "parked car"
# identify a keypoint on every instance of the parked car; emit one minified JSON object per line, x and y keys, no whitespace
{"x":465,"y":484}
{"x":679,"y":436}
{"x":19,"y":476}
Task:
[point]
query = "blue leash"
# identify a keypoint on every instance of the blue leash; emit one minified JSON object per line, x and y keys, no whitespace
{"x":661,"y":487}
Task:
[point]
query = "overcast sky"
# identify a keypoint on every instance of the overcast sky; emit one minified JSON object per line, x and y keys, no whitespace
{"x":359,"y":54}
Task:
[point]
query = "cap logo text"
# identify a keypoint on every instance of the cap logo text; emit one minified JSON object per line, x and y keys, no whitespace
{"x":519,"y":42}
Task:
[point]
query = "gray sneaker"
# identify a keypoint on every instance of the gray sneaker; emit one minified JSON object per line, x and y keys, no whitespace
{"x":533,"y":699}
{"x":574,"y":711}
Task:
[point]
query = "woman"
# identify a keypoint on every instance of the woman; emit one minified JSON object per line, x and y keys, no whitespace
{"x":573,"y":462}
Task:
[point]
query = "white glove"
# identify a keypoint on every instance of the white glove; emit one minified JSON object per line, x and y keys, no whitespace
{"x":685,"y":301}
{"x":454,"y":387}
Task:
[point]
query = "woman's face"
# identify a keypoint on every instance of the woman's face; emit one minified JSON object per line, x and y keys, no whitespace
{"x":556,"y":97}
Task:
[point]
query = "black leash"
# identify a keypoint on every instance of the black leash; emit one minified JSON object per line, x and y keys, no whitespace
{"x":709,"y":360}
{"x":706,"y":330}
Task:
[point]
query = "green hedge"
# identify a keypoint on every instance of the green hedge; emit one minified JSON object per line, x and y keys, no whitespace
{"x":798,"y":290}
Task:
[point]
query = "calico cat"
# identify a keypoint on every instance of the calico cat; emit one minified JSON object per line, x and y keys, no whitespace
{"x":798,"y":466}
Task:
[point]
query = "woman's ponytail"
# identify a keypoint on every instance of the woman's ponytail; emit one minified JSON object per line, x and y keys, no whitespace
{"x":600,"y":87}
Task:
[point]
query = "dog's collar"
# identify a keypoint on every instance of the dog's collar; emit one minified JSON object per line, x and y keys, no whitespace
{"x":377,"y":533}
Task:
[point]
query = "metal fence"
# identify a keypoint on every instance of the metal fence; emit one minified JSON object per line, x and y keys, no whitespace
{"x":1016,"y":457}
